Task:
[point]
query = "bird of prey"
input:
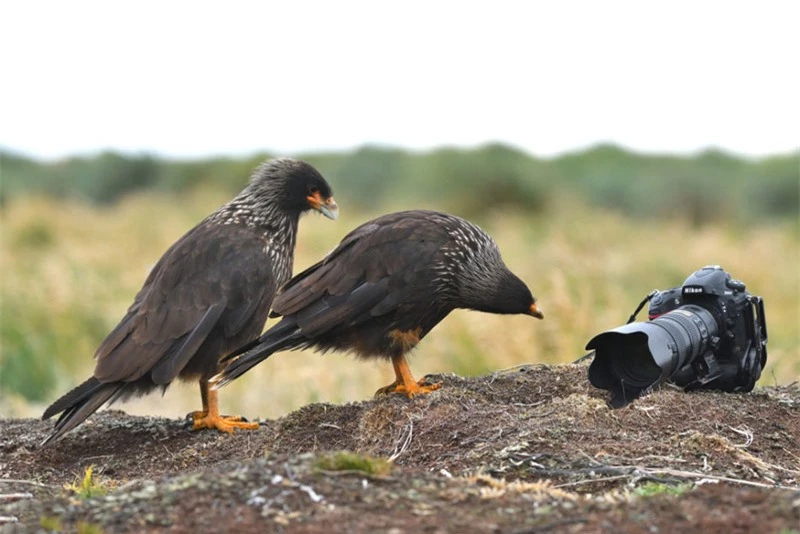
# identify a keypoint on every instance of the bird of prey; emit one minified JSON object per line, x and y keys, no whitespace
{"x":383,"y":288}
{"x":209,"y":293}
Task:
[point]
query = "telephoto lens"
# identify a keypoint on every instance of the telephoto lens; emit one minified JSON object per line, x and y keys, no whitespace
{"x":633,"y":358}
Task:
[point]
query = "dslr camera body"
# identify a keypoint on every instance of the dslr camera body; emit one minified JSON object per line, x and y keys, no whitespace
{"x":710,"y":333}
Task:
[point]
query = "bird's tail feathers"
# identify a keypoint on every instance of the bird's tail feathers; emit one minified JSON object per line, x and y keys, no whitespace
{"x":247,"y":347}
{"x":79,"y":404}
{"x":280,"y":337}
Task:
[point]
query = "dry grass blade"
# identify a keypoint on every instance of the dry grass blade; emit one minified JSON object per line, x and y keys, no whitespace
{"x":406,"y":442}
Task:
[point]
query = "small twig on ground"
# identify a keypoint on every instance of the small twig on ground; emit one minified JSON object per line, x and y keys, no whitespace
{"x":793,"y":455}
{"x":25,"y":482}
{"x":778,"y":467}
{"x":747,"y":433}
{"x":592,"y":481}
{"x":627,"y":471}
{"x":660,"y":457}
{"x":646,"y":410}
{"x":396,"y":454}
{"x":592,"y":460}
{"x":705,"y":476}
{"x":168,"y":451}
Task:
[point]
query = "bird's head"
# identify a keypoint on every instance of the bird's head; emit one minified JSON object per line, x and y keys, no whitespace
{"x":294,"y":185}
{"x":507,"y":294}
{"x":484,"y":283}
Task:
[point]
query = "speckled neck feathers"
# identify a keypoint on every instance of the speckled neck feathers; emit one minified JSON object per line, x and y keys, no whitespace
{"x":259,"y":206}
{"x":471,"y":255}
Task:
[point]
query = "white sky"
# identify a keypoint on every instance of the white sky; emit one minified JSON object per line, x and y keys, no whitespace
{"x":195,"y":79}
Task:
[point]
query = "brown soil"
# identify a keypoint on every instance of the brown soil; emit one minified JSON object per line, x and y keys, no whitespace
{"x":532,"y":449}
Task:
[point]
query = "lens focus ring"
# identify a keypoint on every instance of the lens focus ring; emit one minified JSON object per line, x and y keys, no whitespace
{"x":691,"y":327}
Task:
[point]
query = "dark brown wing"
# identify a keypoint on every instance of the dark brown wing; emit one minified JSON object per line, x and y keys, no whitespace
{"x":370,"y":273}
{"x":213,"y":282}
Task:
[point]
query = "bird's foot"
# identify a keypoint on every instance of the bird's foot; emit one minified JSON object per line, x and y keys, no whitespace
{"x":200,"y":414}
{"x":411,"y":389}
{"x":223,"y":423}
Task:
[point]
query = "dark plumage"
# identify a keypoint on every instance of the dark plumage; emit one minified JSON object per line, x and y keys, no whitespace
{"x":386,"y":285}
{"x":210,"y":292}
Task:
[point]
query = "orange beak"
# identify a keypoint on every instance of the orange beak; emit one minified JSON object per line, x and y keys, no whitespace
{"x":327,"y":206}
{"x":535,"y":312}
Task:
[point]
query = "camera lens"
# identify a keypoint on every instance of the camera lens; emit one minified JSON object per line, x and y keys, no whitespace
{"x":635,"y":368}
{"x":637,"y":356}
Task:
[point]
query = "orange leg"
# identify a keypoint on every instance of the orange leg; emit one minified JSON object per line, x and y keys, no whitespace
{"x":404,"y":381}
{"x":204,"y":396}
{"x":210,"y":417}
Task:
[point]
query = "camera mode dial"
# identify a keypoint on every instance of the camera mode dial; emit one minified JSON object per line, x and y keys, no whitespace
{"x":736,"y":285}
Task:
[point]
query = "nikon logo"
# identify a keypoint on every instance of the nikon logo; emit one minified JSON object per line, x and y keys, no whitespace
{"x":692,"y":290}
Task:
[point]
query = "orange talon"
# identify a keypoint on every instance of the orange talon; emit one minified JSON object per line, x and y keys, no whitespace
{"x":404,"y":381}
{"x":209,"y":417}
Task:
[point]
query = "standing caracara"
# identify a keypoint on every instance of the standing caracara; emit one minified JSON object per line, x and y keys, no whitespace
{"x":209,"y":293}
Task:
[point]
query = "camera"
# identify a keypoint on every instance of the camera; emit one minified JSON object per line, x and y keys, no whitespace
{"x":710,"y":333}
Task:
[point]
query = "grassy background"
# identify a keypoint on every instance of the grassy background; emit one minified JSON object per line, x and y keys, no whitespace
{"x":70,"y":269}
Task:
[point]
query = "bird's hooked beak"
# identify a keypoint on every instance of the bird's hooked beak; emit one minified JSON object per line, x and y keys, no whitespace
{"x":535,"y":312}
{"x":327,"y":207}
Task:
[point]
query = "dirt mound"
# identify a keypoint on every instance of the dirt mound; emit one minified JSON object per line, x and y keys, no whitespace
{"x":529,"y":449}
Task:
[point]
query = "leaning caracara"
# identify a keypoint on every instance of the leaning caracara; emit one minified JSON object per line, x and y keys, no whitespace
{"x":386,"y":285}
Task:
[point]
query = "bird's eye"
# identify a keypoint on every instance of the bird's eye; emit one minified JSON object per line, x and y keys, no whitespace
{"x":313,"y":189}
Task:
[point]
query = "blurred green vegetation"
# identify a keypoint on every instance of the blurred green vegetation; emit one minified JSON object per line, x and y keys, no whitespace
{"x":706,"y":187}
{"x":591,"y":231}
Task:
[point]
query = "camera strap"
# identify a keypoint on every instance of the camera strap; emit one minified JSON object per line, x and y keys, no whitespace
{"x":645,"y":300}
